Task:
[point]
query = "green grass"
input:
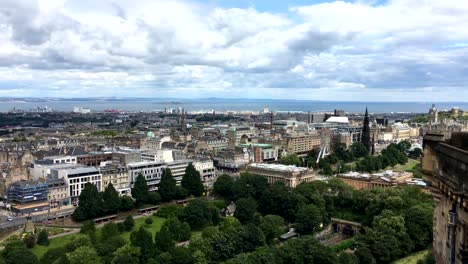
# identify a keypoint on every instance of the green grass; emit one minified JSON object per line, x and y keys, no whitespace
{"x":406,"y":167}
{"x":153,"y":228}
{"x":413,"y":258}
{"x":54,"y":243}
{"x":343,"y":245}
{"x":196,"y":234}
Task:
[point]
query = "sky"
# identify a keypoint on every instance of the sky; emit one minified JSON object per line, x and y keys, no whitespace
{"x":363,"y":50}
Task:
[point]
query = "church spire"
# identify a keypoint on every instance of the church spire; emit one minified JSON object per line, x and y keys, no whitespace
{"x":365,"y":136}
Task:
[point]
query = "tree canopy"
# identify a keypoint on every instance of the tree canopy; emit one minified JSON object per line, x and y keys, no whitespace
{"x":167,"y":186}
{"x":191,"y":181}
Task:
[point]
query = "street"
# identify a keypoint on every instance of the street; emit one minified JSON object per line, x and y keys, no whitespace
{"x":18,"y":221}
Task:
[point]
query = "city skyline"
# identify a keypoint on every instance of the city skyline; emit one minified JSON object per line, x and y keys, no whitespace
{"x":312,"y":50}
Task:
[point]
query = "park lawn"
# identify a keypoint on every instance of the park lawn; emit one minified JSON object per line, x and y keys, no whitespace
{"x":406,"y":167}
{"x":196,"y":234}
{"x":413,"y":258}
{"x":153,"y":228}
{"x":39,"y":251}
{"x":60,"y":241}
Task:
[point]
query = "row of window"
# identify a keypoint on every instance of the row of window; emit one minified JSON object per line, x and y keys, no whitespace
{"x":85,"y":179}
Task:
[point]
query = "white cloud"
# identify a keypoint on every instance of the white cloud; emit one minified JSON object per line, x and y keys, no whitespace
{"x":348,"y":50}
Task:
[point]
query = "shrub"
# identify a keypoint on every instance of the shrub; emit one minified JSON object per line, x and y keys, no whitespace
{"x":43,"y":238}
{"x":149,"y":221}
{"x":129,"y":223}
{"x":121,"y":227}
{"x":29,"y":240}
{"x":172,"y":210}
{"x":88,"y":226}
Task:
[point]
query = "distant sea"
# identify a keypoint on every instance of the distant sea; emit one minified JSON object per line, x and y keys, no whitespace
{"x":217,"y":104}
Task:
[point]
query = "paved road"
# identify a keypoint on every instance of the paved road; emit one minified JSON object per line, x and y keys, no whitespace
{"x":18,"y":221}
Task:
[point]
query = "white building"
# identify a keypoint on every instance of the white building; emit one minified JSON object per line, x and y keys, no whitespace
{"x":76,"y":176}
{"x":61,"y":159}
{"x":178,"y":168}
{"x":151,"y":170}
{"x":81,"y":110}
{"x":164,"y":155}
{"x":207,"y":172}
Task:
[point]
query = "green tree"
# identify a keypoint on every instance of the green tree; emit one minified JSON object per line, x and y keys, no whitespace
{"x":21,"y":256}
{"x":84,"y":255}
{"x":106,"y":249}
{"x":347,"y":258}
{"x":167,"y":186}
{"x":140,"y":190}
{"x":153,"y":198}
{"x":90,"y":203}
{"x":358,"y":150}
{"x":43,"y":237}
{"x":308,"y":219}
{"x":209,"y":232}
{"x":164,"y":240}
{"x":245,"y":210}
{"x":197,"y":214}
{"x":127,"y":254}
{"x":272,"y":227}
{"x":291,"y":159}
{"x":365,"y":256}
{"x":251,"y":237}
{"x":88,"y":226}
{"x":404,"y":146}
{"x":181,"y":193}
{"x":111,"y":199}
{"x":170,"y":210}
{"x":223,"y":186}
{"x":182,"y":255}
{"x":415,"y":153}
{"x":53,"y":254}
{"x":418,"y":220}
{"x":144,"y":240}
{"x":77,"y":242}
{"x":109,"y":231}
{"x":126,"y":203}
{"x":250,"y":185}
{"x":279,"y":200}
{"x":179,"y":231}
{"x":129,"y":223}
{"x":191,"y":181}
{"x":16,"y":252}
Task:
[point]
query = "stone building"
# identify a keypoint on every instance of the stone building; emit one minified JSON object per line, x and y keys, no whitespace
{"x":291,"y":176}
{"x":301,"y":143}
{"x":386,"y":179}
{"x":445,"y":167}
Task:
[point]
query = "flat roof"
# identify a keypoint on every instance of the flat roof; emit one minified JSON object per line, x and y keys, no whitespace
{"x":260,"y":145}
{"x":278,"y":167}
{"x":337,"y":119}
{"x":145,"y":163}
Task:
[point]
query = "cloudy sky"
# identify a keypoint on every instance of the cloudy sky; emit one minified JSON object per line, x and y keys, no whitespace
{"x":396,"y":50}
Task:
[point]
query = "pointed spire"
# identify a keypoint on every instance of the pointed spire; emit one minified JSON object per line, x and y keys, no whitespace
{"x":365,"y":135}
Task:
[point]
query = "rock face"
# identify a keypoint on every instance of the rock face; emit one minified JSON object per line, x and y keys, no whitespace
{"x":445,"y":168}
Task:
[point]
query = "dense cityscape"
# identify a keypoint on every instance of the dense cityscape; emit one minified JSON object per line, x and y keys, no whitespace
{"x":88,"y":186}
